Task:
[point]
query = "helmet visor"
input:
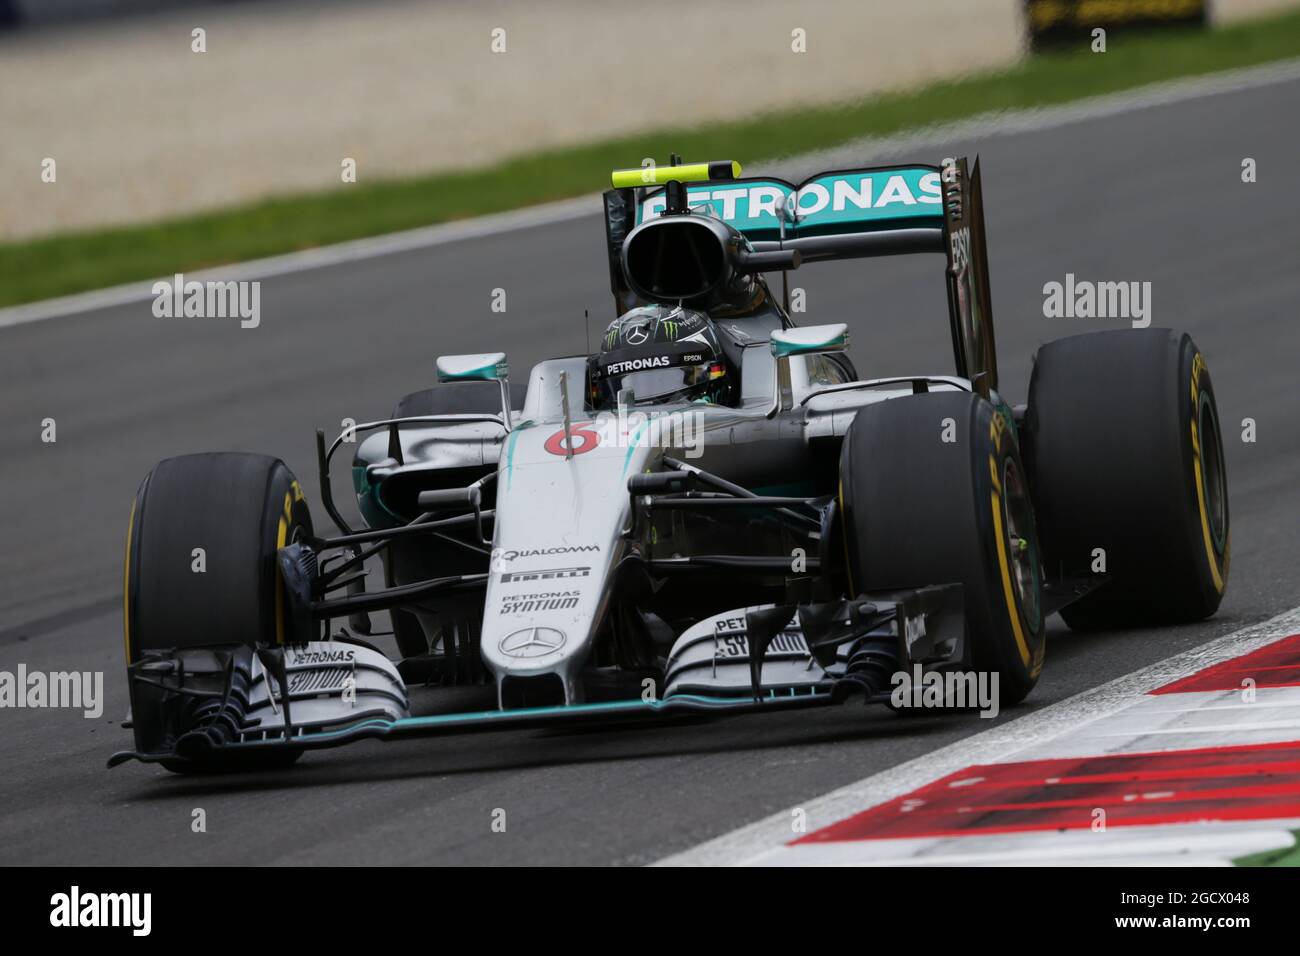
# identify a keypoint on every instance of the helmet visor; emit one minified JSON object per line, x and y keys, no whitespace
{"x":657,"y":383}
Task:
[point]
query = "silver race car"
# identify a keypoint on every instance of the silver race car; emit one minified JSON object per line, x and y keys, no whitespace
{"x":711,"y":513}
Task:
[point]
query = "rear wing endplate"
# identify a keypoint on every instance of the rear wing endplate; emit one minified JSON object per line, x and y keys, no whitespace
{"x":970,"y":304}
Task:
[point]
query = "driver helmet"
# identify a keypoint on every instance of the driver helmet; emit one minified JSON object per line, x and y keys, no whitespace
{"x":661,"y":353}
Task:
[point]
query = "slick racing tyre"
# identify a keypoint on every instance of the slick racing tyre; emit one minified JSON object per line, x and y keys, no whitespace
{"x":201,"y":568}
{"x":1127,"y":472}
{"x":932,"y":491}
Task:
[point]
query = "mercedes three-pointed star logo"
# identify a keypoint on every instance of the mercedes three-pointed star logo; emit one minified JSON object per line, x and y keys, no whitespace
{"x":532,"y":642}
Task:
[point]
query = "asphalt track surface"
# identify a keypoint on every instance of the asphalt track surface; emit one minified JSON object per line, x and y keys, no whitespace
{"x":1152,"y":195}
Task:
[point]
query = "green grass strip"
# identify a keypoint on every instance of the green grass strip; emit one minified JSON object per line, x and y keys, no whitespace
{"x":74,"y":262}
{"x":1283,"y":856}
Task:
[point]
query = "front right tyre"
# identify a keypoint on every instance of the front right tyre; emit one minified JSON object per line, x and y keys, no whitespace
{"x":201,"y":573}
{"x":933,"y":491}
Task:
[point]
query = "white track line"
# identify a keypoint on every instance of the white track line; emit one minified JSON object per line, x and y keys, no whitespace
{"x":858,"y":152}
{"x":991,"y":746}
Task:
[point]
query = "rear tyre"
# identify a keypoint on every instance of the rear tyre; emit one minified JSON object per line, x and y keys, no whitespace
{"x":1128,"y":476}
{"x":201,"y":567}
{"x":933,"y":491}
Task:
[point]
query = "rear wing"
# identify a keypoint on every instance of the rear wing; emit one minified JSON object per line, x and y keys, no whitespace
{"x":845,"y":214}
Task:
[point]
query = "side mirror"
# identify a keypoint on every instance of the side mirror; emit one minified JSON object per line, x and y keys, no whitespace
{"x":482,"y":367}
{"x":810,"y":340}
{"x":479,"y":367}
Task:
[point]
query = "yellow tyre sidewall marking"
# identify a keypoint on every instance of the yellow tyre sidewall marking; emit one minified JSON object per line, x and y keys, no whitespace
{"x":1013,"y":611}
{"x":1198,"y":366}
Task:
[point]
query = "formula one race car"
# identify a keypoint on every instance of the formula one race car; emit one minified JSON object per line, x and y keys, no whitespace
{"x":712,"y":513}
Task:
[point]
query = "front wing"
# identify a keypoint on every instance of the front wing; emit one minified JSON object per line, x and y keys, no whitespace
{"x":226,"y":704}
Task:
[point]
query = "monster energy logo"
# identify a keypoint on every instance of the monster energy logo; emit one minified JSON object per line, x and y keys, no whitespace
{"x":670,"y":327}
